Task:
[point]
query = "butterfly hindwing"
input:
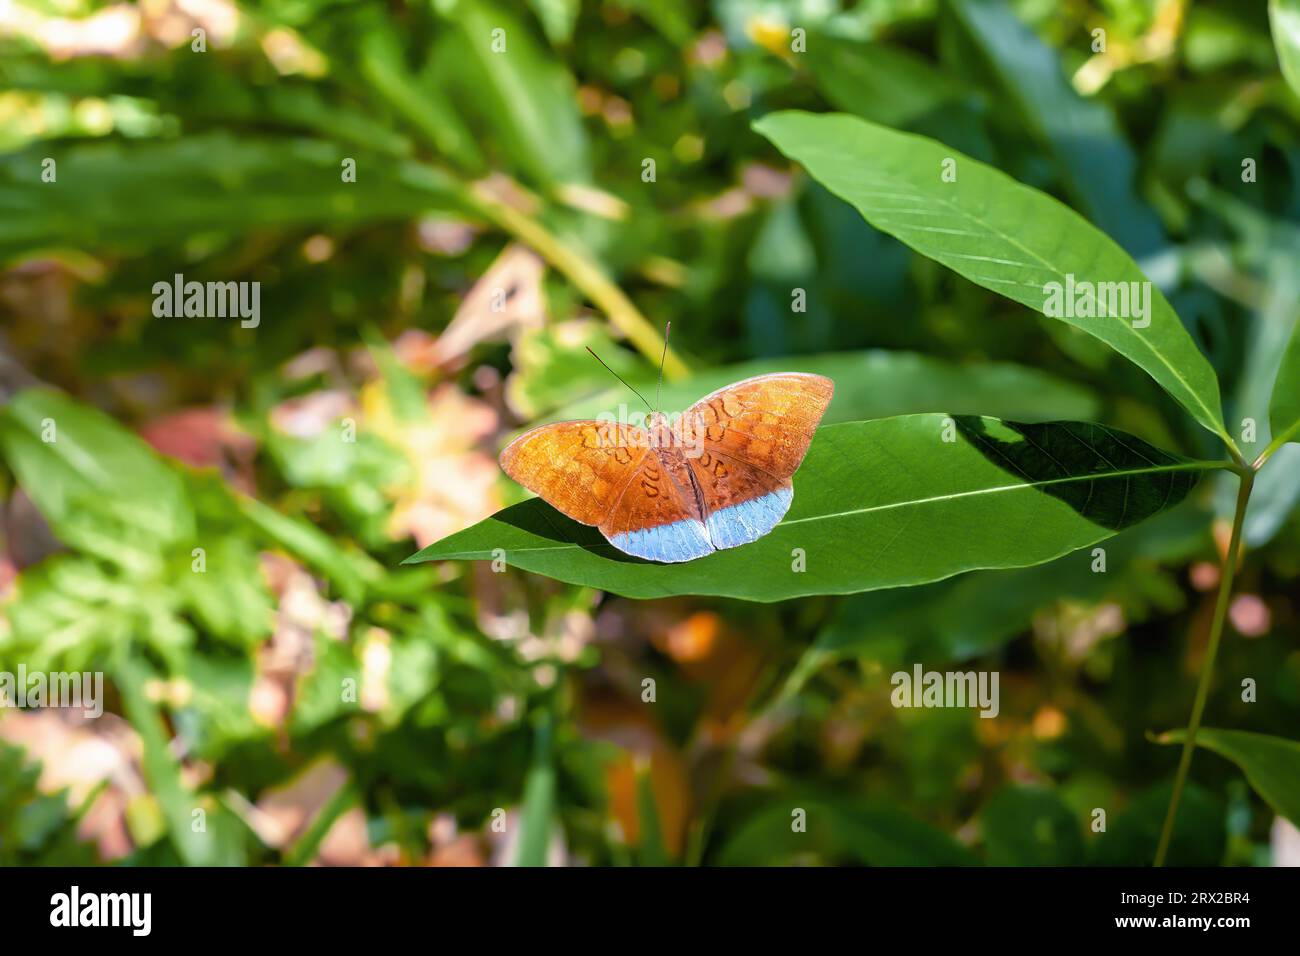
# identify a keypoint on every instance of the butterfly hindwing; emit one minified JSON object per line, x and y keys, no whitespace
{"x":657,"y":517}
{"x":744,"y":502}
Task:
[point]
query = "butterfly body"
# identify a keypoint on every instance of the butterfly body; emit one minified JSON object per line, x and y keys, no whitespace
{"x":718,"y":477}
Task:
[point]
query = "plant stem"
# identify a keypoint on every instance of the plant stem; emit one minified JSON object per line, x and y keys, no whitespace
{"x":586,"y":275}
{"x":1207,"y":666}
{"x":1289,"y":435}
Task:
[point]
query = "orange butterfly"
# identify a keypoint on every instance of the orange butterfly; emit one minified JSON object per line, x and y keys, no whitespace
{"x":718,"y":477}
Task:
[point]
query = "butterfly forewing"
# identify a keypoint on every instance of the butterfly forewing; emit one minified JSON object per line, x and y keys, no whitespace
{"x":582,"y":468}
{"x":767,"y":421}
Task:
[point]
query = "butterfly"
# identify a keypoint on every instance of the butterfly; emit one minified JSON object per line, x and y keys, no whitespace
{"x":718,"y":477}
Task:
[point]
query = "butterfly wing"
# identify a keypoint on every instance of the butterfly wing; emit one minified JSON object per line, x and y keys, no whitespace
{"x":582,"y":468}
{"x":744,"y":442}
{"x":603,"y":474}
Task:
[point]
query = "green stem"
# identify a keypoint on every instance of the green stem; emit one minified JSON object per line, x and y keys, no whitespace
{"x":1234,"y":451}
{"x":1207,"y":666}
{"x":1291,"y":434}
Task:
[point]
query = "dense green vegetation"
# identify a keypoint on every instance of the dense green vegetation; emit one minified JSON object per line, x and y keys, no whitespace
{"x":443,"y":205}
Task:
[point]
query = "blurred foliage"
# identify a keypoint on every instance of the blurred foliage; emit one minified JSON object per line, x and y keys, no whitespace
{"x":220,"y":523}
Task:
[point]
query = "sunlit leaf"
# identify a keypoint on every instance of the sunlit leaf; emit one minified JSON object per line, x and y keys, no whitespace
{"x":999,"y":234}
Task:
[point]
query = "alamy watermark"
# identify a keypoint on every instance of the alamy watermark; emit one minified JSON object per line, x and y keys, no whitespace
{"x":628,"y":428}
{"x":208,"y":300}
{"x":1084,"y":299}
{"x":71,"y":689}
{"x":922,"y":688}
{"x":133,"y":911}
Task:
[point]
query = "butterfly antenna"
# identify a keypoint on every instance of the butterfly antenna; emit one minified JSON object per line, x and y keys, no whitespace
{"x":668,"y":327}
{"x":619,"y":377}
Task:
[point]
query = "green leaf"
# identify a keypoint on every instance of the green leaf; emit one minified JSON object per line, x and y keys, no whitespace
{"x":1269,"y":369}
{"x":350,"y":573}
{"x":38,"y":828}
{"x":229,"y":599}
{"x":304,"y":850}
{"x":558,"y":18}
{"x":521,"y":92}
{"x":839,"y":831}
{"x":1284,"y":15}
{"x":881,"y":504}
{"x":651,"y":850}
{"x":424,"y":106}
{"x":1271,"y":764}
{"x":552,"y":369}
{"x":537,"y":816}
{"x":220,"y":842}
{"x":1031,"y":826}
{"x":139,"y":195}
{"x":101,"y":488}
{"x":1284,"y":406}
{"x":216,"y":716}
{"x":996,"y":232}
{"x":878,"y":384}
{"x":672,"y":18}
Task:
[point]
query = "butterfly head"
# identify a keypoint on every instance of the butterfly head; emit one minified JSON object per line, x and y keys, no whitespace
{"x":661,"y":435}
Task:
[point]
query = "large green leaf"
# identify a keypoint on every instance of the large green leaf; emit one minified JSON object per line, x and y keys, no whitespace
{"x":1271,"y":764}
{"x":1284,"y":15}
{"x":877,"y":384}
{"x":1284,"y":406}
{"x":881,"y":504}
{"x":996,"y":232}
